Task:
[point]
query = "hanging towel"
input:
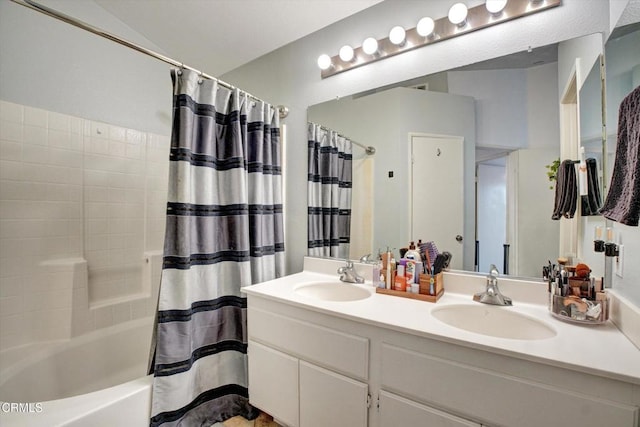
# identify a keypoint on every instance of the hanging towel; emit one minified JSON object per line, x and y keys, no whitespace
{"x":623,"y":200}
{"x":566,"y":191}
{"x":591,"y":201}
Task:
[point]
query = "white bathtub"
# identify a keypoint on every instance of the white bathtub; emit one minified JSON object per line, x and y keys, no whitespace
{"x":98,"y":379}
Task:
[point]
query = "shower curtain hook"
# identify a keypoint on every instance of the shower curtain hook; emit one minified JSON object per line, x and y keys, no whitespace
{"x":200,"y":78}
{"x":180,"y":69}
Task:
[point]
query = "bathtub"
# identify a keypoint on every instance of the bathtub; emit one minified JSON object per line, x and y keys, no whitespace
{"x":97,"y":379}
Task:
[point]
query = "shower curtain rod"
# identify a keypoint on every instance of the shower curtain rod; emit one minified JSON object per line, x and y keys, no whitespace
{"x":282,"y":110}
{"x":367,"y":148}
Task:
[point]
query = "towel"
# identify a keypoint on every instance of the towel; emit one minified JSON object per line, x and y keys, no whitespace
{"x":566,"y":191}
{"x":591,"y":201}
{"x":623,"y":200}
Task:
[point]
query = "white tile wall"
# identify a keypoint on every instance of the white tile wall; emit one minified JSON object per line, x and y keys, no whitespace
{"x":73,"y":190}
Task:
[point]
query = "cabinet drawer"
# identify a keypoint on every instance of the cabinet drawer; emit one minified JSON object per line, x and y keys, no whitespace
{"x":398,"y":411}
{"x":344,"y":353}
{"x":273,"y":383}
{"x":494,"y":398}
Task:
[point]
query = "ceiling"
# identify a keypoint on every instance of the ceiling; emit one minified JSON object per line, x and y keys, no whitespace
{"x":217,"y":36}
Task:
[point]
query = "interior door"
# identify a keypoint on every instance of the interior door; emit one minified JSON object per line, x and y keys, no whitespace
{"x":437,"y":193}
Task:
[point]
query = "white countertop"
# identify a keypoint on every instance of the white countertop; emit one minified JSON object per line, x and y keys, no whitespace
{"x":599,"y":349}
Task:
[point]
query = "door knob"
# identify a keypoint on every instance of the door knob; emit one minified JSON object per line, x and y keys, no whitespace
{"x":459,"y":238}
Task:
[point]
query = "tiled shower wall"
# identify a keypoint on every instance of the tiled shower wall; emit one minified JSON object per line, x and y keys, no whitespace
{"x":82,"y":207}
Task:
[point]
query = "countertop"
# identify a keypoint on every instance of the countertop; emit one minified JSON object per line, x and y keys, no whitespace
{"x":599,"y":349}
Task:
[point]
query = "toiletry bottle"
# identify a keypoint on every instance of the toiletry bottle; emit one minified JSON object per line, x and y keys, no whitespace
{"x":387,"y":267}
{"x":400,"y":283}
{"x":414,"y":256}
{"x":391,"y":276}
{"x":412,"y":253}
{"x":410,"y":271}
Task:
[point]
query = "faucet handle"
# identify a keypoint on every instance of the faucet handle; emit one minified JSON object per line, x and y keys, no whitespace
{"x":365,"y":258}
{"x":493,"y":271}
{"x":348,"y":266}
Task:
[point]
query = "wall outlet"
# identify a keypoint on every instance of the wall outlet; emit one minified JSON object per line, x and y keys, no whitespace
{"x":619,"y":261}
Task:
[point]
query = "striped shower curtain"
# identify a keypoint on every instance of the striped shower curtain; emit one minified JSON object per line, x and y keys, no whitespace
{"x":329,"y":192}
{"x":224,"y":231}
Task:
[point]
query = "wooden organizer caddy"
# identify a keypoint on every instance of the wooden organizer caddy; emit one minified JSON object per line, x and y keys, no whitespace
{"x":424,"y":289}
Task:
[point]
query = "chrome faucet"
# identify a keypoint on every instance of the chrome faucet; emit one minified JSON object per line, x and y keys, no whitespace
{"x":492,"y":294}
{"x":348,"y":274}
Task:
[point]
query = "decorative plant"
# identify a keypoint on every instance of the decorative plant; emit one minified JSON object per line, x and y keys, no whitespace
{"x":552,"y":171}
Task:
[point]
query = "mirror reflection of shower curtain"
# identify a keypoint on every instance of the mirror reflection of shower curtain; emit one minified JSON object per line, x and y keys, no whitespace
{"x":328,"y":192}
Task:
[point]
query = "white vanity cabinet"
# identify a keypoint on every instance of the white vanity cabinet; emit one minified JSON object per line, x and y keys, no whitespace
{"x":306,"y":375}
{"x":496,"y":390}
{"x":310,"y":368}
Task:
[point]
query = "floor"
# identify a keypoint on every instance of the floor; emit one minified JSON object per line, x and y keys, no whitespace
{"x":263,"y":420}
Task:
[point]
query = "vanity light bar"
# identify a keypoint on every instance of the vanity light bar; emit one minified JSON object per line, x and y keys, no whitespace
{"x":478,"y":17}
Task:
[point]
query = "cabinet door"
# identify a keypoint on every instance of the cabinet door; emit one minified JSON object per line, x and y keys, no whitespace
{"x":273,"y":383}
{"x":330,"y":399}
{"x":398,"y":411}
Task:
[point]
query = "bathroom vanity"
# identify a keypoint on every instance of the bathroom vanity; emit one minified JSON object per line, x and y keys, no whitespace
{"x":365,"y":359}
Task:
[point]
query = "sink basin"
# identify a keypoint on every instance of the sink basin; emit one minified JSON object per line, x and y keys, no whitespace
{"x":332,"y":291}
{"x":501,"y":322}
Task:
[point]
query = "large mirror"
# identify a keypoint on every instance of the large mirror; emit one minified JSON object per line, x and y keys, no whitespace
{"x":461,"y":159}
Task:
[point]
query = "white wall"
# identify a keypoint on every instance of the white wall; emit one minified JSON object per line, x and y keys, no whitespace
{"x":538,"y":236}
{"x":543,"y":113}
{"x":82,"y":207}
{"x":500,"y":104}
{"x":289,"y":75}
{"x":55,"y":173}
{"x":48,"y":64}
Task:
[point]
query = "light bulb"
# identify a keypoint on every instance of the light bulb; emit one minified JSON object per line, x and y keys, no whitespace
{"x":397,"y":35}
{"x":324,"y":61}
{"x":495,"y":7}
{"x":598,"y":232}
{"x":346,"y":53}
{"x":370,"y":46}
{"x":458,"y":14}
{"x":425,"y":26}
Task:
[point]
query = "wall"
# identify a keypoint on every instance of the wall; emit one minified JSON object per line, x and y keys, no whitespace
{"x":69,"y":191}
{"x":289,"y":75}
{"x":543,"y":114}
{"x":81,"y":223}
{"x":48,"y":64}
{"x":500,"y":98}
{"x":362,"y":213}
